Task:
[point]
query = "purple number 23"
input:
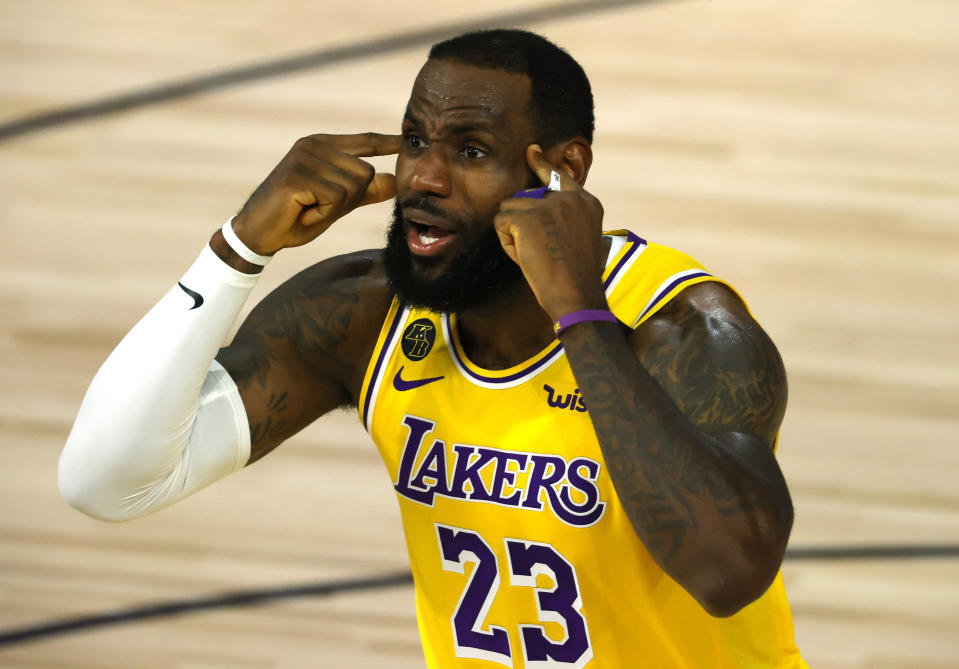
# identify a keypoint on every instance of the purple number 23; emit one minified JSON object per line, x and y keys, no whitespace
{"x":560,"y":604}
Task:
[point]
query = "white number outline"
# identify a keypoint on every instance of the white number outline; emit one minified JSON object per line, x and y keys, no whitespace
{"x":538,"y":568}
{"x":549,"y":616}
{"x":471,"y":652}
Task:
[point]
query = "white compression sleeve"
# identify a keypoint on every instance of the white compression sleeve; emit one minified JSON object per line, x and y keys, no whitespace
{"x":162,"y":418}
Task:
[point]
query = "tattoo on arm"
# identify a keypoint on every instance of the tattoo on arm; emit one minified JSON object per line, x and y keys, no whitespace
{"x":687,"y":432}
{"x":314,"y":326}
{"x":275,"y":407}
{"x":294,"y":357}
{"x":248,"y":361}
{"x":553,"y":245}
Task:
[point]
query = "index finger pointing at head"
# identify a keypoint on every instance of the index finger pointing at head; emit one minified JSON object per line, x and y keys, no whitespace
{"x":367,"y":144}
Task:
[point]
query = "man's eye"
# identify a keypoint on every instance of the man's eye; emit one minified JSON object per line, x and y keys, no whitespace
{"x":471,"y":151}
{"x":413,"y":141}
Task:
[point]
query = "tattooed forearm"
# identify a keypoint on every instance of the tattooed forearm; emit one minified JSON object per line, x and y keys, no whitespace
{"x":687,"y":437}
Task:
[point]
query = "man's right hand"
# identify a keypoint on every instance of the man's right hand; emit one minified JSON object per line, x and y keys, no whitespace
{"x":320,"y":180}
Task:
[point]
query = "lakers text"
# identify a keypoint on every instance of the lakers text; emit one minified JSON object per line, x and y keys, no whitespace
{"x":427,"y":471}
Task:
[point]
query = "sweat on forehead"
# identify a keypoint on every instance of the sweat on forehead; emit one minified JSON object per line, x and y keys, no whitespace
{"x":451,"y":87}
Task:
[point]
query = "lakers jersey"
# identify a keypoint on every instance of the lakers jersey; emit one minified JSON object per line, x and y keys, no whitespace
{"x":522,"y":554}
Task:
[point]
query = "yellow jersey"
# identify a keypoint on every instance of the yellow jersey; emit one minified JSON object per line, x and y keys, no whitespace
{"x":522,"y":554}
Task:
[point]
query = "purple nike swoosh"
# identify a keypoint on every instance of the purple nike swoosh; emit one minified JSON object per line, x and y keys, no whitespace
{"x":401,"y":384}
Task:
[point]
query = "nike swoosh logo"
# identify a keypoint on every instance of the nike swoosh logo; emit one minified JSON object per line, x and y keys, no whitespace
{"x":197,"y":298}
{"x":402,"y":384}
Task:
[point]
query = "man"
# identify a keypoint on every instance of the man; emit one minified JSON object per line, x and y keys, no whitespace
{"x":586,"y":419}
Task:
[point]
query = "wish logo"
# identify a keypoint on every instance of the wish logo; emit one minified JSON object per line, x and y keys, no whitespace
{"x":497,"y":476}
{"x":418,"y":338}
{"x":572,"y":401}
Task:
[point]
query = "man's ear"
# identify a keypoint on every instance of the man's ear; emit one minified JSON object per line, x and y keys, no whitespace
{"x":573,"y":156}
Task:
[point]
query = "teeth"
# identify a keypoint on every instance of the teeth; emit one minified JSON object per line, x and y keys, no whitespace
{"x":427,"y":238}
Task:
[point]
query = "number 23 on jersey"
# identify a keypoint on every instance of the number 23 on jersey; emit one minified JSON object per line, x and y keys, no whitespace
{"x":560,"y":603}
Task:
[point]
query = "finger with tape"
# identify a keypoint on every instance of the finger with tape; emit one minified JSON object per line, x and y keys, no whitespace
{"x":540,"y":193}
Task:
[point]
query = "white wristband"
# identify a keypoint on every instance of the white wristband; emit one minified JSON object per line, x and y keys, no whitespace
{"x":242,"y":249}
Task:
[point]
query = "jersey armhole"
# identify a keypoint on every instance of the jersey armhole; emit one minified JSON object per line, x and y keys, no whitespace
{"x":672,"y":287}
{"x":382,"y":351}
{"x":669,"y":289}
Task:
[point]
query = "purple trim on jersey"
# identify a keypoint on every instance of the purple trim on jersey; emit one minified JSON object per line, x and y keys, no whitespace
{"x":497,"y":379}
{"x":632,"y":238}
{"x":670,"y":287}
{"x":379,"y":361}
{"x":637,"y":242}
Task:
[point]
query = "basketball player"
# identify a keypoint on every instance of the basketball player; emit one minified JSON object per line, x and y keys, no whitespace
{"x":580,"y":426}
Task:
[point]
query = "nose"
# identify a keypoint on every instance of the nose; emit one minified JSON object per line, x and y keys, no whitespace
{"x":430,"y":173}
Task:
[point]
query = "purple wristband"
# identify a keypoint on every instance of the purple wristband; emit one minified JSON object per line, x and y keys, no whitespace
{"x":583,"y":316}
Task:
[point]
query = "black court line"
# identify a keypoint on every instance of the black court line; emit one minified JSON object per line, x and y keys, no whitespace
{"x":905,"y":552}
{"x":309,"y":60}
{"x":249,"y":597}
{"x":223,"y":600}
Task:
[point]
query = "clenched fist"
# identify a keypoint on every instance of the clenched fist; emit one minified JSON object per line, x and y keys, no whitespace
{"x":321,"y":179}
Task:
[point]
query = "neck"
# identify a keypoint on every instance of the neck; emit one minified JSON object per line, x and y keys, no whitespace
{"x":513,"y":328}
{"x":505,"y":332}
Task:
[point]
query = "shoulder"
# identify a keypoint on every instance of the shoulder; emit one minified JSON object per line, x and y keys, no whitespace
{"x":330,"y":313}
{"x":352,"y":285}
{"x":708,"y":352}
{"x":648,"y":259}
{"x":665,"y":259}
{"x":644,"y":276}
{"x":709,"y":305}
{"x":361,"y":269}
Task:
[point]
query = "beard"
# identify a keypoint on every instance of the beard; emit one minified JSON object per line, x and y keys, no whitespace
{"x":477,"y":275}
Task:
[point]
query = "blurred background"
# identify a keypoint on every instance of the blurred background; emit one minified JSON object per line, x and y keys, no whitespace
{"x":808,"y":152}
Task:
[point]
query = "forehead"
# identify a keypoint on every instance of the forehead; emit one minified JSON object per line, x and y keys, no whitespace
{"x":447,"y":90}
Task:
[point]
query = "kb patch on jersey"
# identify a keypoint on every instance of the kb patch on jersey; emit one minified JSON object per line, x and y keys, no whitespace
{"x":418,"y":338}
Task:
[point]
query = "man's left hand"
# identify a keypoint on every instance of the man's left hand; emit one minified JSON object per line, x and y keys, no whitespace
{"x":557,"y":241}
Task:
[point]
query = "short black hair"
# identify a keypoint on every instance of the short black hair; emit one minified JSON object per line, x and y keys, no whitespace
{"x":561,"y":100}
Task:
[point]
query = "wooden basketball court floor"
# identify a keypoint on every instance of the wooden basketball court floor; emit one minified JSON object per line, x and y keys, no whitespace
{"x":806,"y":151}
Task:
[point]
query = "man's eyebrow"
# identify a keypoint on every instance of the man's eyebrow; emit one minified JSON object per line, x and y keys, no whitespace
{"x":484,"y":132}
{"x":469,"y":126}
{"x":409,"y":117}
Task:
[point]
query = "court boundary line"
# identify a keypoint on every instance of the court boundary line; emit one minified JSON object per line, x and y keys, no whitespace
{"x":873,"y":552}
{"x":229,"y":599}
{"x":314,"y":59}
{"x":67,"y":625}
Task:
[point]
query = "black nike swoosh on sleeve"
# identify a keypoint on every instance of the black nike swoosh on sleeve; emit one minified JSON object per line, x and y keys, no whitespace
{"x":197,"y":298}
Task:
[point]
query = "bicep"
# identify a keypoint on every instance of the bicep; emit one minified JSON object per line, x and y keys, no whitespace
{"x":281,"y":395}
{"x":725,"y":375}
{"x":284,"y":363}
{"x":716,"y":363}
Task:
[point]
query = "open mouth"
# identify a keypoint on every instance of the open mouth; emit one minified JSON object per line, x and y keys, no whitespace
{"x":425,"y":238}
{"x":430,"y":234}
